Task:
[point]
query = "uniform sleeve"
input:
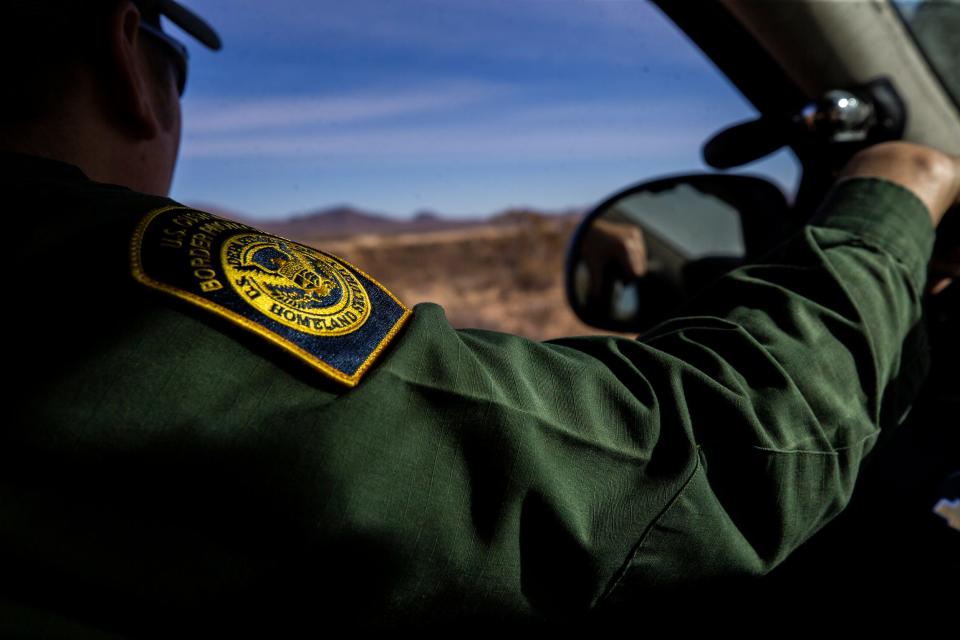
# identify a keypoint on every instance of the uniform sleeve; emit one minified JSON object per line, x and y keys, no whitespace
{"x":784,"y":385}
{"x":166,"y":466}
{"x":550,"y":478}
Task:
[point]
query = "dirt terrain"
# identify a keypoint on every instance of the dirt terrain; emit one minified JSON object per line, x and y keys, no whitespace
{"x":505,"y":274}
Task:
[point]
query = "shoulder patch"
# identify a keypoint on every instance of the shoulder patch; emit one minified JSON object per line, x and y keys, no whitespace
{"x":315,"y":305}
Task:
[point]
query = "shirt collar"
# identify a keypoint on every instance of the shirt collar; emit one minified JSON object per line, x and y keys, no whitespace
{"x":19,"y":165}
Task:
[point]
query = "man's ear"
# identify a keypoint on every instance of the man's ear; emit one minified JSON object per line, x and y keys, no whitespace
{"x":130,"y":75}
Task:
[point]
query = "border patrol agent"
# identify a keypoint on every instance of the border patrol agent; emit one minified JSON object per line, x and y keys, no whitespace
{"x":217,"y":427}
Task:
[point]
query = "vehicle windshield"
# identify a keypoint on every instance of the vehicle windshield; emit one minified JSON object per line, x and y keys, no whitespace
{"x":935,"y":24}
{"x":449,"y":148}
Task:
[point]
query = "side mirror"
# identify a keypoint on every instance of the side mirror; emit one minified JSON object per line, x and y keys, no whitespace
{"x":641,"y":254}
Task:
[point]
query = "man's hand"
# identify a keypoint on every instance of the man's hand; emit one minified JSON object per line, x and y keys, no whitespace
{"x":932,"y":175}
{"x":945,"y":265}
{"x":619,"y":242}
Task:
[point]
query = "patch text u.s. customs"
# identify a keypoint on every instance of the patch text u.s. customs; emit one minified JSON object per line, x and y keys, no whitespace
{"x":315,"y":305}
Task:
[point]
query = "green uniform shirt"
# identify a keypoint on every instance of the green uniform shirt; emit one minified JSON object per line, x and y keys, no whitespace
{"x":163,"y":463}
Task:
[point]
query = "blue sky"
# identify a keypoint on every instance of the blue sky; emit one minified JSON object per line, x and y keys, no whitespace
{"x":462,"y":107}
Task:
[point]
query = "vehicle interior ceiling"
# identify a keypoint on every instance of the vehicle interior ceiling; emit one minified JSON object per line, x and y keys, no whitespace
{"x":782,"y":55}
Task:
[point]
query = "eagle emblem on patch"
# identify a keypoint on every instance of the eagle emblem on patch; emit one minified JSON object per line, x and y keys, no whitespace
{"x":313,"y":304}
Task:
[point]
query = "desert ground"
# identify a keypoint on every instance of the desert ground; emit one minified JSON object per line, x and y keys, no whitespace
{"x":503,"y":274}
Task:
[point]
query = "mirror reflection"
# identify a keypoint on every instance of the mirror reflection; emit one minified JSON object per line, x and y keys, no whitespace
{"x":643,"y":254}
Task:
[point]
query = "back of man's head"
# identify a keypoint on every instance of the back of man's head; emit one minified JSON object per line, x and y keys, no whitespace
{"x":94,"y":83}
{"x":47,"y":41}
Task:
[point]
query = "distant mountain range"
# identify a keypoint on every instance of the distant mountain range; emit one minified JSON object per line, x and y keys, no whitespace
{"x":342,"y":221}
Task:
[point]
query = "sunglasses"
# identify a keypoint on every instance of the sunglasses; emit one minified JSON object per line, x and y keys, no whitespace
{"x":176,"y":49}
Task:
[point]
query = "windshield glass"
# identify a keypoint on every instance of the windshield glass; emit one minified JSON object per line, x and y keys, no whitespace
{"x":449,"y":148}
{"x":935,"y":25}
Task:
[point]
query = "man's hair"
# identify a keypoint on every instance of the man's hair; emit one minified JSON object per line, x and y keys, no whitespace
{"x":46,"y":41}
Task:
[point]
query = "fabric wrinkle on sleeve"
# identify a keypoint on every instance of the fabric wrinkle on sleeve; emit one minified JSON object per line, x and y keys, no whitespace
{"x":858,"y":204}
{"x":478,"y":474}
{"x":784,"y":377}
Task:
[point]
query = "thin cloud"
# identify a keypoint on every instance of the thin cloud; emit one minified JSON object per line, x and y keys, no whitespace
{"x":446,"y":125}
{"x":458,"y":143}
{"x":211,"y":116}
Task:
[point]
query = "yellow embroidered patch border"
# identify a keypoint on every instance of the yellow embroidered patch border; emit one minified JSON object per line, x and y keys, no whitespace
{"x":320,"y":308}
